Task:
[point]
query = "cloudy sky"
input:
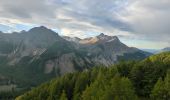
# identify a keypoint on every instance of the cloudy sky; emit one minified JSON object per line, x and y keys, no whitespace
{"x":138,"y":23}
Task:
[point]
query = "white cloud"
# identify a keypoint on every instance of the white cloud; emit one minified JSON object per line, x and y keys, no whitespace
{"x":146,"y":19}
{"x":149,"y":18}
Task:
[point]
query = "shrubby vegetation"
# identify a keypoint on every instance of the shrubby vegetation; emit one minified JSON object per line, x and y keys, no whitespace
{"x":142,"y":80}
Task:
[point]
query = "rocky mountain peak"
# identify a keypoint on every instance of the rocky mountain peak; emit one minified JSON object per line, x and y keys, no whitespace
{"x":43,"y":27}
{"x":102,"y":38}
{"x":23,"y":31}
{"x":105,"y":38}
{"x":102,"y":34}
{"x":41,"y":30}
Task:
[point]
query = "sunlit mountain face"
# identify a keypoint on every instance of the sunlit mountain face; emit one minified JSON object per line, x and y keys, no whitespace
{"x":142,"y":24}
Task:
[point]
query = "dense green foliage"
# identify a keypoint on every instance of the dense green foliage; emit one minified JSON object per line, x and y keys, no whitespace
{"x":161,"y":90}
{"x":148,"y":79}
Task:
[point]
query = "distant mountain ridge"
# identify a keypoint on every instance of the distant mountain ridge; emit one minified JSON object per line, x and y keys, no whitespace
{"x":42,"y":54}
{"x":166,"y":49}
{"x":156,"y":51}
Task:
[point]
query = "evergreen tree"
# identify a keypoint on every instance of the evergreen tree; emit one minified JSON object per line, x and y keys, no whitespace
{"x":161,"y":89}
{"x":158,"y":93}
{"x":120,"y":89}
{"x":63,"y":96}
{"x":167,"y":84}
{"x":80,"y":85}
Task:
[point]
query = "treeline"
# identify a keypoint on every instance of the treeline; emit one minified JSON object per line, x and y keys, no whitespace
{"x":143,"y":80}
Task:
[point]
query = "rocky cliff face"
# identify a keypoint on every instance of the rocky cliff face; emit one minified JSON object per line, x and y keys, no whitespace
{"x":106,"y":50}
{"x":31,"y":43}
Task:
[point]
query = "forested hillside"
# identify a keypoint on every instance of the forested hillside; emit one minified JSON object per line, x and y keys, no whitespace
{"x":135,"y":80}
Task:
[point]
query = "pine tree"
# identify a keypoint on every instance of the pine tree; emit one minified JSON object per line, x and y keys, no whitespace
{"x":63,"y":96}
{"x":80,"y":85}
{"x":158,"y":93}
{"x":97,"y":89}
{"x":161,"y":89}
{"x":121,"y":89}
{"x":167,"y":83}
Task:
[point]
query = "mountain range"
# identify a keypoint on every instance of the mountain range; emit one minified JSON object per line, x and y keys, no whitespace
{"x":157,"y":51}
{"x":34,"y":56}
{"x":165,"y":49}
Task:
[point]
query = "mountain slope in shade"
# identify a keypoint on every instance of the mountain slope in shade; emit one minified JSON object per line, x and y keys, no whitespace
{"x":40,"y":54}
